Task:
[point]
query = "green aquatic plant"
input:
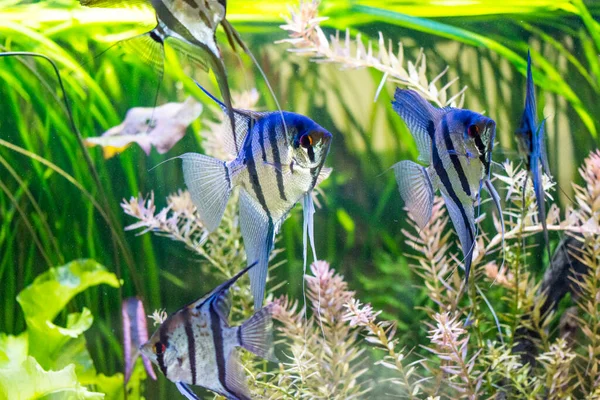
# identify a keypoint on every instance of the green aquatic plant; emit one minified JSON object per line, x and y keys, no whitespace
{"x":48,"y":359}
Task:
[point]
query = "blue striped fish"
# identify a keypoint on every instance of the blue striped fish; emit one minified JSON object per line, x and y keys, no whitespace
{"x":196,"y":345}
{"x":274,"y":168}
{"x":193,"y":24}
{"x":532,"y":146}
{"x":456,"y":146}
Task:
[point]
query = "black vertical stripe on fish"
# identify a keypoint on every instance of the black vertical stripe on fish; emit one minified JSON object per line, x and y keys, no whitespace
{"x":155,"y":35}
{"x":191,"y":342}
{"x":251,"y":165}
{"x":204,"y":18}
{"x":482,"y":154}
{"x":217,"y":333}
{"x":223,"y":3}
{"x":160,"y":356}
{"x":443,"y":175}
{"x":464,"y":183}
{"x":191,"y":3}
{"x":277,"y":160}
{"x":260,"y":127}
{"x":314,"y":172}
{"x":227,"y":175}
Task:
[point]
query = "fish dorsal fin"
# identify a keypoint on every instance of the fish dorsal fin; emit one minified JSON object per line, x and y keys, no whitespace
{"x":417,"y":113}
{"x":244,"y":121}
{"x":219,"y":296}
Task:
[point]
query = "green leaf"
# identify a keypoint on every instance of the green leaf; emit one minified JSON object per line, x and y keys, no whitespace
{"x":51,"y":291}
{"x":13,"y":350}
{"x":53,"y":346}
{"x":31,"y":381}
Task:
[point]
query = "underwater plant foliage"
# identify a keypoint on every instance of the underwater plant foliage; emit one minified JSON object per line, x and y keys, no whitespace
{"x":387,"y":315}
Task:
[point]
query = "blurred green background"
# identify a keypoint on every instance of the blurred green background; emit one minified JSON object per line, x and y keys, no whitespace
{"x":46,"y":220}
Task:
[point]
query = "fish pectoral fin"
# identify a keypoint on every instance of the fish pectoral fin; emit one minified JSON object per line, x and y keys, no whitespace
{"x":258,"y":232}
{"x":235,"y":378}
{"x":463,"y":219}
{"x":151,"y":51}
{"x":256,"y":334}
{"x":185,"y":390}
{"x":416,"y":190}
{"x":209,"y":183}
{"x":323,"y":174}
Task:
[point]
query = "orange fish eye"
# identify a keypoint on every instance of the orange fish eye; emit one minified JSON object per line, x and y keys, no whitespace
{"x":473,"y":130}
{"x":306,"y":141}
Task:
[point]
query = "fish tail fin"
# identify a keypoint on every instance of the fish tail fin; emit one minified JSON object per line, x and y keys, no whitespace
{"x":256,"y":334}
{"x":209,"y":182}
{"x":150,"y":48}
{"x":416,"y":190}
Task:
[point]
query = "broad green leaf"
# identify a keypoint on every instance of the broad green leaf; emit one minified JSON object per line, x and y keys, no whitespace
{"x":54,"y":346}
{"x":13,"y":350}
{"x":31,"y":381}
{"x":51,"y":291}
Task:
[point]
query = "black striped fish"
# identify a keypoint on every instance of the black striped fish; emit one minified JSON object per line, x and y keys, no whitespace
{"x":274,"y":167}
{"x":196,"y":345}
{"x":532,"y":146}
{"x":456,"y":146}
{"x":193,"y":24}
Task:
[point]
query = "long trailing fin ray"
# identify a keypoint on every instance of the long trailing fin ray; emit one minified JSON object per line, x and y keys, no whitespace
{"x":416,"y":190}
{"x":235,"y":379}
{"x":496,"y":198}
{"x":464,"y":225}
{"x":186,"y":391}
{"x":538,"y":187}
{"x":256,"y":334}
{"x":417,"y":114}
{"x":234,"y":33}
{"x":258,"y":232}
{"x":209,"y":183}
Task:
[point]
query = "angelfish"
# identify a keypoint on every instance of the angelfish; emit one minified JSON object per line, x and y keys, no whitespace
{"x":196,"y":345}
{"x":274,"y":168}
{"x":193,"y":24}
{"x":456,"y":146}
{"x":532,"y":146}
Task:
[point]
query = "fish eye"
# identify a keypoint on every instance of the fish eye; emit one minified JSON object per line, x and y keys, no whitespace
{"x":159,"y":348}
{"x":473,"y":130}
{"x":306,"y":141}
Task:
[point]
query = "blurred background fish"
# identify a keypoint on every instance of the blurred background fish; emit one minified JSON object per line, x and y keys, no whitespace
{"x":456,"y":146}
{"x":275,"y":168}
{"x":196,"y":345}
{"x":135,"y":333}
{"x":532,"y":147}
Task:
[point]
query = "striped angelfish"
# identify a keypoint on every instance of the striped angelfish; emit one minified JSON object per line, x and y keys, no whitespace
{"x":196,"y":345}
{"x":274,"y":168}
{"x":456,"y":146}
{"x":532,"y":146}
{"x":193,"y":24}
